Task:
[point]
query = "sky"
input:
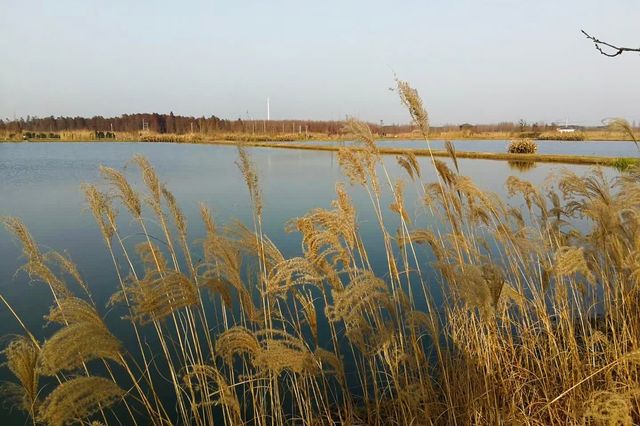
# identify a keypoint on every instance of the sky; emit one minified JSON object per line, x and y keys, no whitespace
{"x":476,"y":61}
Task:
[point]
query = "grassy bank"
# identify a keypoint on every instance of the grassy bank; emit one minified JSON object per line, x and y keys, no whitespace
{"x":542,"y":158}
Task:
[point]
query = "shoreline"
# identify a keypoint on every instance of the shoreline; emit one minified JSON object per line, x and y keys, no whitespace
{"x":479,"y":138}
{"x":307,"y":146}
{"x":541,"y":158}
{"x":600,"y":135}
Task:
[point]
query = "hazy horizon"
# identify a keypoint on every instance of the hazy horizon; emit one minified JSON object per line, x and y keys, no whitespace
{"x":472,"y":61}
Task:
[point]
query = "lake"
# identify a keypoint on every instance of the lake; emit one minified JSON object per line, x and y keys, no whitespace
{"x":40,"y":183}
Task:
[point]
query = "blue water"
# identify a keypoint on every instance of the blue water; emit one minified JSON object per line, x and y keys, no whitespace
{"x":40,"y":182}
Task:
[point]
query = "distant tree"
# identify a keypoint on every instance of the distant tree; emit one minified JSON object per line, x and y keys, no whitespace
{"x":171,"y":123}
{"x":523,"y":124}
{"x":466,"y":127}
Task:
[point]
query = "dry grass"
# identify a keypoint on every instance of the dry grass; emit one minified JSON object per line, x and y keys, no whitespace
{"x":522,"y":146}
{"x":536,"y":321}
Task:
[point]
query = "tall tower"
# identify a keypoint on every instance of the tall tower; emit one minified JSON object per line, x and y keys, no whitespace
{"x":268,"y":110}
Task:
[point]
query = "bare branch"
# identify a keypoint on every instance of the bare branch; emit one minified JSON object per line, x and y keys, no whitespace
{"x":615,"y":50}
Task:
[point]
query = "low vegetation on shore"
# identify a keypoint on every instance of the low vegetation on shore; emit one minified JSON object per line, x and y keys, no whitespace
{"x":170,"y":128}
{"x":563,"y":136}
{"x":89,"y":136}
{"x":522,"y":146}
{"x":496,"y":313}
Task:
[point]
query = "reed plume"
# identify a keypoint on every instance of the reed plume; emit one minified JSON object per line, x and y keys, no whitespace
{"x":331,"y":359}
{"x":75,"y":400}
{"x":571,"y":260}
{"x":284,"y":353}
{"x":291,"y":273}
{"x":72,"y":346}
{"x":360,"y":295}
{"x":123,"y":190}
{"x":36,"y":266}
{"x":102,"y":210}
{"x":22,"y":357}
{"x":151,"y":180}
{"x":363,"y":134}
{"x":622,"y":125}
{"x":67,"y":265}
{"x":398,"y":205}
{"x":237,"y":341}
{"x":412,"y":101}
{"x":84,"y":337}
{"x":178,"y":216}
{"x":409,"y":162}
{"x":248,"y":170}
{"x":310,"y":314}
{"x":218,"y":385}
{"x":451,"y":150}
{"x":156,"y":296}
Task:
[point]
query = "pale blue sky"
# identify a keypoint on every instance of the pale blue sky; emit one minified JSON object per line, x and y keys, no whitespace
{"x":477,"y":61}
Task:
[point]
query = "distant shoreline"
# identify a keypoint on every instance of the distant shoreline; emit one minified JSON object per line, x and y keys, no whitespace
{"x":603,"y":135}
{"x":278,"y":138}
{"x":311,"y":146}
{"x":541,"y":158}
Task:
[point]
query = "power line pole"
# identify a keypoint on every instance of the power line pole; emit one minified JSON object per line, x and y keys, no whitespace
{"x":268,"y":110}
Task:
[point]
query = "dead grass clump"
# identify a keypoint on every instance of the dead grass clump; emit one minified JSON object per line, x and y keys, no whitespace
{"x":522,"y":146}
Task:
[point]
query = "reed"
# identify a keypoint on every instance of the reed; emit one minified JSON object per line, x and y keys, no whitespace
{"x":523,"y":318}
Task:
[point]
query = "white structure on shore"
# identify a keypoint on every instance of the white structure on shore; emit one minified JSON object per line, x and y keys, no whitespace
{"x":566,"y":128}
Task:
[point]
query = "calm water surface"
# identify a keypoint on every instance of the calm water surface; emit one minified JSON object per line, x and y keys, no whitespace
{"x":40,"y":182}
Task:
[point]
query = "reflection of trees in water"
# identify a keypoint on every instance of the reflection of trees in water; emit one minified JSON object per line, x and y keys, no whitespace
{"x":522,"y":166}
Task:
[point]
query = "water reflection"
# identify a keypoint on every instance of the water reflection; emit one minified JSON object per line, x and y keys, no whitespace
{"x":521,"y":166}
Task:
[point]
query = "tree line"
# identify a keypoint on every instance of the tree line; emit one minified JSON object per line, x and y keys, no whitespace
{"x":180,"y":124}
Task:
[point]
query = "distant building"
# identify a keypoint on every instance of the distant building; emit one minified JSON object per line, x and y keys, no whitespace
{"x":567,"y":128}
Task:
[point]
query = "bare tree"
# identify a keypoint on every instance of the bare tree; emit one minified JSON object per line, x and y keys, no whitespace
{"x":611,"y":50}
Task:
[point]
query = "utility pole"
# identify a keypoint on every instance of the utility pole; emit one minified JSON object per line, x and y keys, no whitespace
{"x":268,"y":110}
